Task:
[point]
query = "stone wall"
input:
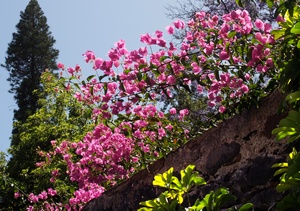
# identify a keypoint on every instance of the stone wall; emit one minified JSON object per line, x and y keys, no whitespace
{"x":237,"y":154}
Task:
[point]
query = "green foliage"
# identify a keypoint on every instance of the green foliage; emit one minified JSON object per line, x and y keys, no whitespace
{"x":60,"y":117}
{"x":8,"y":186}
{"x":289,"y":77}
{"x":291,"y":172}
{"x":213,"y":201}
{"x":177,"y":188}
{"x":289,"y":43}
{"x":288,"y":127}
{"x":289,"y":180}
{"x":177,"y":191}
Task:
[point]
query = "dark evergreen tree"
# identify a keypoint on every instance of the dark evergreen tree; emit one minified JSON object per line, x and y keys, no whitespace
{"x":29,"y":54}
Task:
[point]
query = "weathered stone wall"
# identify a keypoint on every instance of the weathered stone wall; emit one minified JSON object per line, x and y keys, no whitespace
{"x":237,"y":154}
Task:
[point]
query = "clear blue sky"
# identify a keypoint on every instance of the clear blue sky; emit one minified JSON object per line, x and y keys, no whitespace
{"x":78,"y":26}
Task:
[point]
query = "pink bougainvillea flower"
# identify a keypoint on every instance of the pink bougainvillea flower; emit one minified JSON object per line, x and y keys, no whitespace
{"x":170,"y":29}
{"x":30,"y":208}
{"x":200,"y":15}
{"x":169,"y":127}
{"x":199,"y":88}
{"x":89,"y":56}
{"x":17,"y":195}
{"x":245,"y":88}
{"x":269,"y":62}
{"x":222,"y":109}
{"x":60,"y":66}
{"x":51,"y":192}
{"x":120,"y":44}
{"x":71,"y":70}
{"x":179,"y":24}
{"x":158,"y":33}
{"x":147,"y":39}
{"x":259,"y":24}
{"x":196,"y":68}
{"x":268,"y":27}
{"x":261,"y":38}
{"x":247,"y":76}
{"x":43,"y":195}
{"x":171,"y":79}
{"x":33,"y":198}
{"x":183,"y":113}
{"x":234,"y":15}
{"x":173,"y":111}
{"x":161,"y":42}
{"x":211,"y":103}
{"x":224,"y":55}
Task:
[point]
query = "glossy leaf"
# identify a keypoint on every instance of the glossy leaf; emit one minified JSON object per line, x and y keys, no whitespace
{"x":246,"y":207}
{"x":296,"y":28}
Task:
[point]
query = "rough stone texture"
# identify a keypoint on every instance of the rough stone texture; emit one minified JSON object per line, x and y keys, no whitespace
{"x":237,"y":154}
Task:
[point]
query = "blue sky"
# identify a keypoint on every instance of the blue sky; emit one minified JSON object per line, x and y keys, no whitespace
{"x":78,"y":26}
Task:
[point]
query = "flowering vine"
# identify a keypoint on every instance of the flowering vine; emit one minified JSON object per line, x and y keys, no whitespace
{"x":227,"y":58}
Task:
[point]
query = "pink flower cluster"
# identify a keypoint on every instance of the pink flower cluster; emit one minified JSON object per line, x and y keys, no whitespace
{"x":42,"y":198}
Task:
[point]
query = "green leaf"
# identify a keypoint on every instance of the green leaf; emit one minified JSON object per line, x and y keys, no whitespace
{"x":270,"y":3}
{"x":289,"y":202}
{"x":176,"y":184}
{"x":293,"y":154}
{"x":293,"y":171}
{"x":293,"y":97}
{"x":145,"y":209}
{"x":180,"y":197}
{"x":280,"y":171}
{"x":239,"y":3}
{"x":199,"y":181}
{"x":163,"y":180}
{"x":185,"y":175}
{"x":105,"y":88}
{"x":231,"y":34}
{"x":281,"y":165}
{"x":282,"y":132}
{"x":163,"y":58}
{"x":296,"y":28}
{"x":90,"y":77}
{"x":246,"y":207}
{"x":289,"y":127}
{"x":127,"y":71}
{"x":139,"y":76}
{"x":222,"y":196}
{"x":278,"y":33}
{"x":77,"y":86}
{"x":149,"y":203}
{"x":298,"y":44}
{"x":286,"y":186}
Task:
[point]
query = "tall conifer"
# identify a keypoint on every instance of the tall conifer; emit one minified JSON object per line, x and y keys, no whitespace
{"x":29,"y":54}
